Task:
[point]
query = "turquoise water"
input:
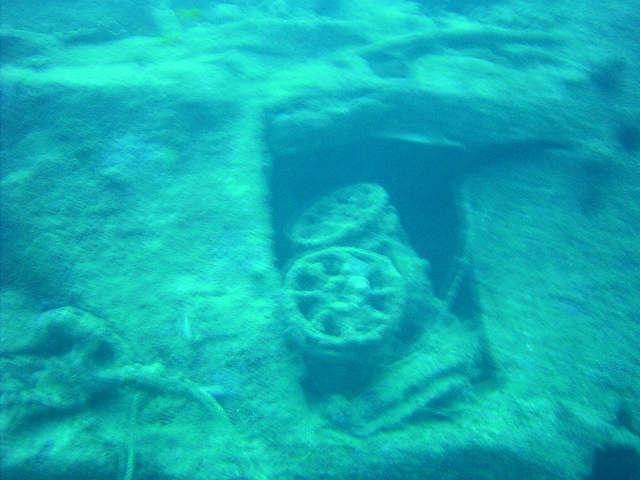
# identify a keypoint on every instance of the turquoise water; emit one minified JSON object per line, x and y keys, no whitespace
{"x":319,"y":240}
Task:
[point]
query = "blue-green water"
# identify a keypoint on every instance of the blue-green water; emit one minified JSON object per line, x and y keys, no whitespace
{"x":329,"y":239}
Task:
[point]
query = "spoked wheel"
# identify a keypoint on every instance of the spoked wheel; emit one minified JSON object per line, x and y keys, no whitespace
{"x":349,"y":299}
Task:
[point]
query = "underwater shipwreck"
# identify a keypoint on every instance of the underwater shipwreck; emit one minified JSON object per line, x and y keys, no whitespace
{"x":333,"y":240}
